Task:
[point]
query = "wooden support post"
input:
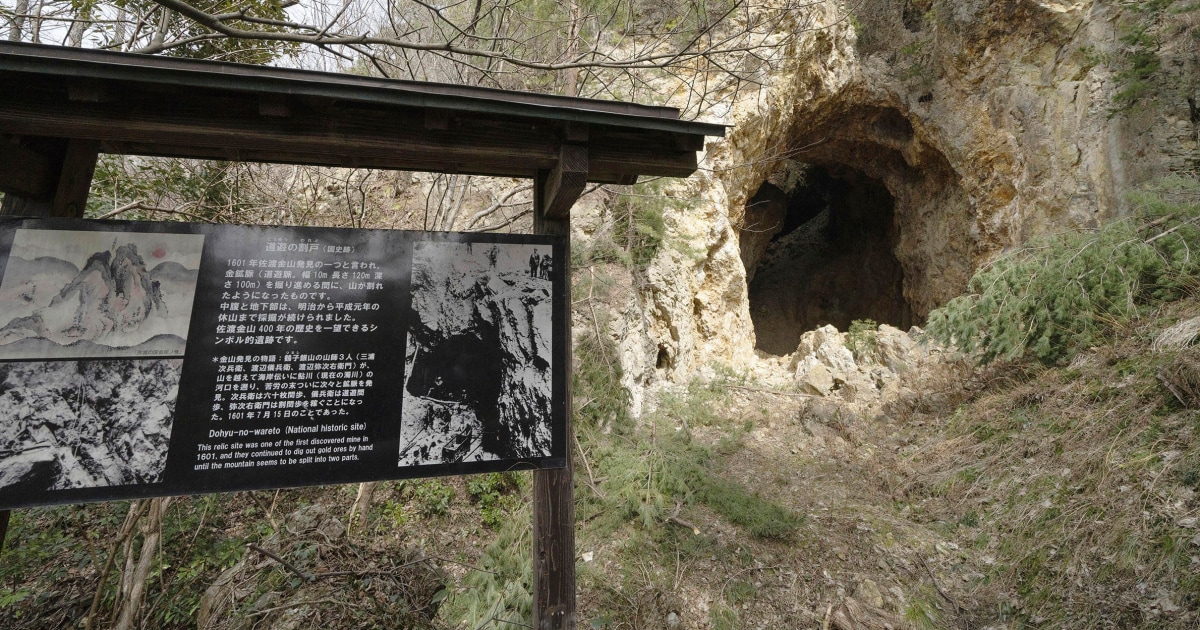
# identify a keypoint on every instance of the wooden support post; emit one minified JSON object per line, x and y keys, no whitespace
{"x":25,"y":172}
{"x":4,"y":516}
{"x":29,"y":177}
{"x":79,"y":165}
{"x":554,"y":490}
{"x":564,"y":184}
{"x":70,"y":199}
{"x":51,"y":184}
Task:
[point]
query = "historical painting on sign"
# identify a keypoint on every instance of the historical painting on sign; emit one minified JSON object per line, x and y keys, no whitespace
{"x":97,"y":294}
{"x":85,"y":424}
{"x":477,"y":378}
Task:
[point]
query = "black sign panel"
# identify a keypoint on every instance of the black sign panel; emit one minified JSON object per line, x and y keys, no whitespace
{"x":147,"y":359}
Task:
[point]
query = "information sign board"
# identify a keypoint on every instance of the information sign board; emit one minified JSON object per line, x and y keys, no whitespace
{"x":146,"y":359}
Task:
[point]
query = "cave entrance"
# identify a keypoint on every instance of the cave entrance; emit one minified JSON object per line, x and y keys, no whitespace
{"x":821,"y":253}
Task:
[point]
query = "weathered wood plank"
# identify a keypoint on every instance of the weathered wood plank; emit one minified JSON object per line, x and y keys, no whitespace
{"x":565,"y":182}
{"x":225,"y":126}
{"x":553,"y":490}
{"x":79,"y":165}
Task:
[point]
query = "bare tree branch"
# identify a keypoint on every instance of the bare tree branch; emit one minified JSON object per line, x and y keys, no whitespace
{"x":650,"y":57}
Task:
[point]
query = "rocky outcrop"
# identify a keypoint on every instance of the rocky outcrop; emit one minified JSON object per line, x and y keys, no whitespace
{"x":863,"y":368}
{"x":479,"y":365}
{"x":987,"y":123}
{"x":85,"y":424}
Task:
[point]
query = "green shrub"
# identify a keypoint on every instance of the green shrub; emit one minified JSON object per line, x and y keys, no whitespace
{"x":863,"y":337}
{"x":499,"y":592}
{"x":645,"y":482}
{"x":1064,"y":293}
{"x":600,"y":399}
{"x":639,"y":225}
{"x":432,"y":497}
{"x":494,"y":494}
{"x":1139,"y":62}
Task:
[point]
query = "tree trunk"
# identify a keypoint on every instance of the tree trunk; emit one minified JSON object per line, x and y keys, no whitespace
{"x":18,"y":23}
{"x":36,"y":32}
{"x":572,"y":74}
{"x":160,"y":33}
{"x":133,"y":583}
{"x":82,"y":18}
{"x":362,"y":503}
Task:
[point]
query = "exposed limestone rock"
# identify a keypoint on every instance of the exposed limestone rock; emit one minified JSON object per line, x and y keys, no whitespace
{"x":764,"y":219}
{"x":987,"y":123}
{"x":872,"y":368}
{"x":823,"y":363}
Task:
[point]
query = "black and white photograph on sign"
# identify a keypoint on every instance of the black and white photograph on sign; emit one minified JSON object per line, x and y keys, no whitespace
{"x":80,"y":294}
{"x":478,"y":358}
{"x":85,"y":424}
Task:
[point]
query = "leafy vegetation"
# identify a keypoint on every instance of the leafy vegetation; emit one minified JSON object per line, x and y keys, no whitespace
{"x":863,"y":337}
{"x":431,"y":496}
{"x":501,"y":589}
{"x":600,"y":399}
{"x":494,"y":494}
{"x":54,"y":556}
{"x":1138,"y":63}
{"x":1060,"y":294}
{"x":207,"y":187}
{"x":639,"y":224}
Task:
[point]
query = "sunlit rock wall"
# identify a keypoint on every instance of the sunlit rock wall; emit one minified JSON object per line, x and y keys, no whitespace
{"x":988,"y":122}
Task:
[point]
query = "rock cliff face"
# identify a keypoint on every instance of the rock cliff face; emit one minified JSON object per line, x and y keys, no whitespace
{"x":987,"y":123}
{"x":85,"y":424}
{"x":478,"y":375}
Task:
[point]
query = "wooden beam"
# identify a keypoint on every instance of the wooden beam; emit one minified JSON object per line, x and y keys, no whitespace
{"x":688,"y":142}
{"x":17,"y":206}
{"x":235,"y":123}
{"x":274,"y":105}
{"x":603,"y":166}
{"x":565,"y":182}
{"x":576,"y":132}
{"x":70,"y":199}
{"x":437,"y":119}
{"x":25,"y":172}
{"x":554,"y":490}
{"x":89,"y":91}
{"x":208,"y":126}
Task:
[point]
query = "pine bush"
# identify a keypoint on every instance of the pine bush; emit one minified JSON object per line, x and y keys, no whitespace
{"x":1063,"y":293}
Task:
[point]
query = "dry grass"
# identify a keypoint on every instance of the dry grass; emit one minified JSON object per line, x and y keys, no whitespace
{"x":1182,"y":378}
{"x":1078,"y":485}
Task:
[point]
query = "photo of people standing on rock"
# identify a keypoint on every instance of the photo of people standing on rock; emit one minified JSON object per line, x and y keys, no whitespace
{"x":478,"y":358}
{"x":83,"y":294}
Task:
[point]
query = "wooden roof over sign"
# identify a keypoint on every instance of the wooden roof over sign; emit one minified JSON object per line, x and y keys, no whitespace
{"x":163,"y":106}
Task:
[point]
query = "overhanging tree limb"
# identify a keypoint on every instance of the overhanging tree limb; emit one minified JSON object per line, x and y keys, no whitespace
{"x":324,"y":36}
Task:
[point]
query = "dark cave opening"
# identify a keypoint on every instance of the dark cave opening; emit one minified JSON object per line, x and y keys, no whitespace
{"x":822,"y":253}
